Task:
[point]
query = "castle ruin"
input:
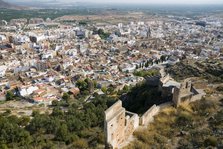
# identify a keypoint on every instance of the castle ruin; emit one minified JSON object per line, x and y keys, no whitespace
{"x":120,"y":124}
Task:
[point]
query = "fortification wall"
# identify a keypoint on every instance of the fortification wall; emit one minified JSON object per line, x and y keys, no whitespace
{"x":115,"y":124}
{"x":109,"y":113}
{"x":198,"y":96}
{"x":134,"y":118}
{"x":121,"y":124}
{"x":131,"y":125}
{"x":165,"y":79}
{"x":148,"y":116}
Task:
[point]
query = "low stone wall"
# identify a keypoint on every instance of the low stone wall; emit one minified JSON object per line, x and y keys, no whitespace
{"x":165,"y":79}
{"x":199,"y":93}
{"x":148,"y":116}
{"x":134,"y":118}
{"x":196,"y":97}
{"x":132,"y":123}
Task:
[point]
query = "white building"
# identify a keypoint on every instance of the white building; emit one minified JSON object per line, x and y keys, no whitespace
{"x":3,"y":70}
{"x":71,"y":52}
{"x":26,"y":91}
{"x":48,"y":55}
{"x":128,"y":67}
{"x":2,"y":37}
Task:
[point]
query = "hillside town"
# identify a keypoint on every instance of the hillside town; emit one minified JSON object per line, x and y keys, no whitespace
{"x":100,"y":75}
{"x":41,"y":59}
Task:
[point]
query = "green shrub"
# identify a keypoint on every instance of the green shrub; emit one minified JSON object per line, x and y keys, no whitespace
{"x":9,"y":95}
{"x":211,"y":141}
{"x":144,"y":73}
{"x":80,"y":144}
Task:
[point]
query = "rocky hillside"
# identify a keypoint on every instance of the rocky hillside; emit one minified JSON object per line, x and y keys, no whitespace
{"x":212,"y":70}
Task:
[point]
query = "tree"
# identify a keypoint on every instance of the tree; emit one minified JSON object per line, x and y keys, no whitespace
{"x":100,"y":31}
{"x":82,"y":85}
{"x":62,"y":133}
{"x":163,"y":58}
{"x":74,"y":124}
{"x":24,"y":137}
{"x":66,"y":97}
{"x":147,"y":64}
{"x":104,"y":89}
{"x":110,"y":90}
{"x":156,"y":61}
{"x":95,"y":84}
{"x":35,"y":113}
{"x":137,"y":67}
{"x":24,"y":121}
{"x":55,"y":103}
{"x":57,"y":112}
{"x":90,"y":85}
{"x":38,"y":124}
{"x":102,"y":34}
{"x":126,"y":88}
{"x":9,"y":95}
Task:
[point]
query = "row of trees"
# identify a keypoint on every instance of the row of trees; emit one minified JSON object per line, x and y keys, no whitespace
{"x":151,"y":62}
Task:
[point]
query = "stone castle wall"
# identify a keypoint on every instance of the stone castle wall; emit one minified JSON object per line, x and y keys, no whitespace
{"x":109,"y":113}
{"x":115,"y":124}
{"x":132,"y":123}
{"x":121,"y":124}
{"x":165,"y":79}
{"x":148,"y":116}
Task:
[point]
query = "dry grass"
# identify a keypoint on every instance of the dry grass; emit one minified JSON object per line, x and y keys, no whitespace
{"x":165,"y":131}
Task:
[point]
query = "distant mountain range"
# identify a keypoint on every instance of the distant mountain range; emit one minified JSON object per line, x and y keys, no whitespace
{"x":7,"y":5}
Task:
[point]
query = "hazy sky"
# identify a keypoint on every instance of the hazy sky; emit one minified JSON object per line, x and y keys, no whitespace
{"x":136,"y":1}
{"x":165,"y":1}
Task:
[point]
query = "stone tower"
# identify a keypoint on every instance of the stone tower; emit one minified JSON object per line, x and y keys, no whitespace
{"x":115,"y":125}
{"x":119,"y":125}
{"x":182,"y":93}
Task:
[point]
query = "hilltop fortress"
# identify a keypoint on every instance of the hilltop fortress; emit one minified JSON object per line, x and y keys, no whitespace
{"x":120,"y":124}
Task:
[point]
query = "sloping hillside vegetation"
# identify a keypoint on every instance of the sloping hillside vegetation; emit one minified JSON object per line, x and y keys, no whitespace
{"x":198,"y":125}
{"x":71,"y":125}
{"x":211,"y":70}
